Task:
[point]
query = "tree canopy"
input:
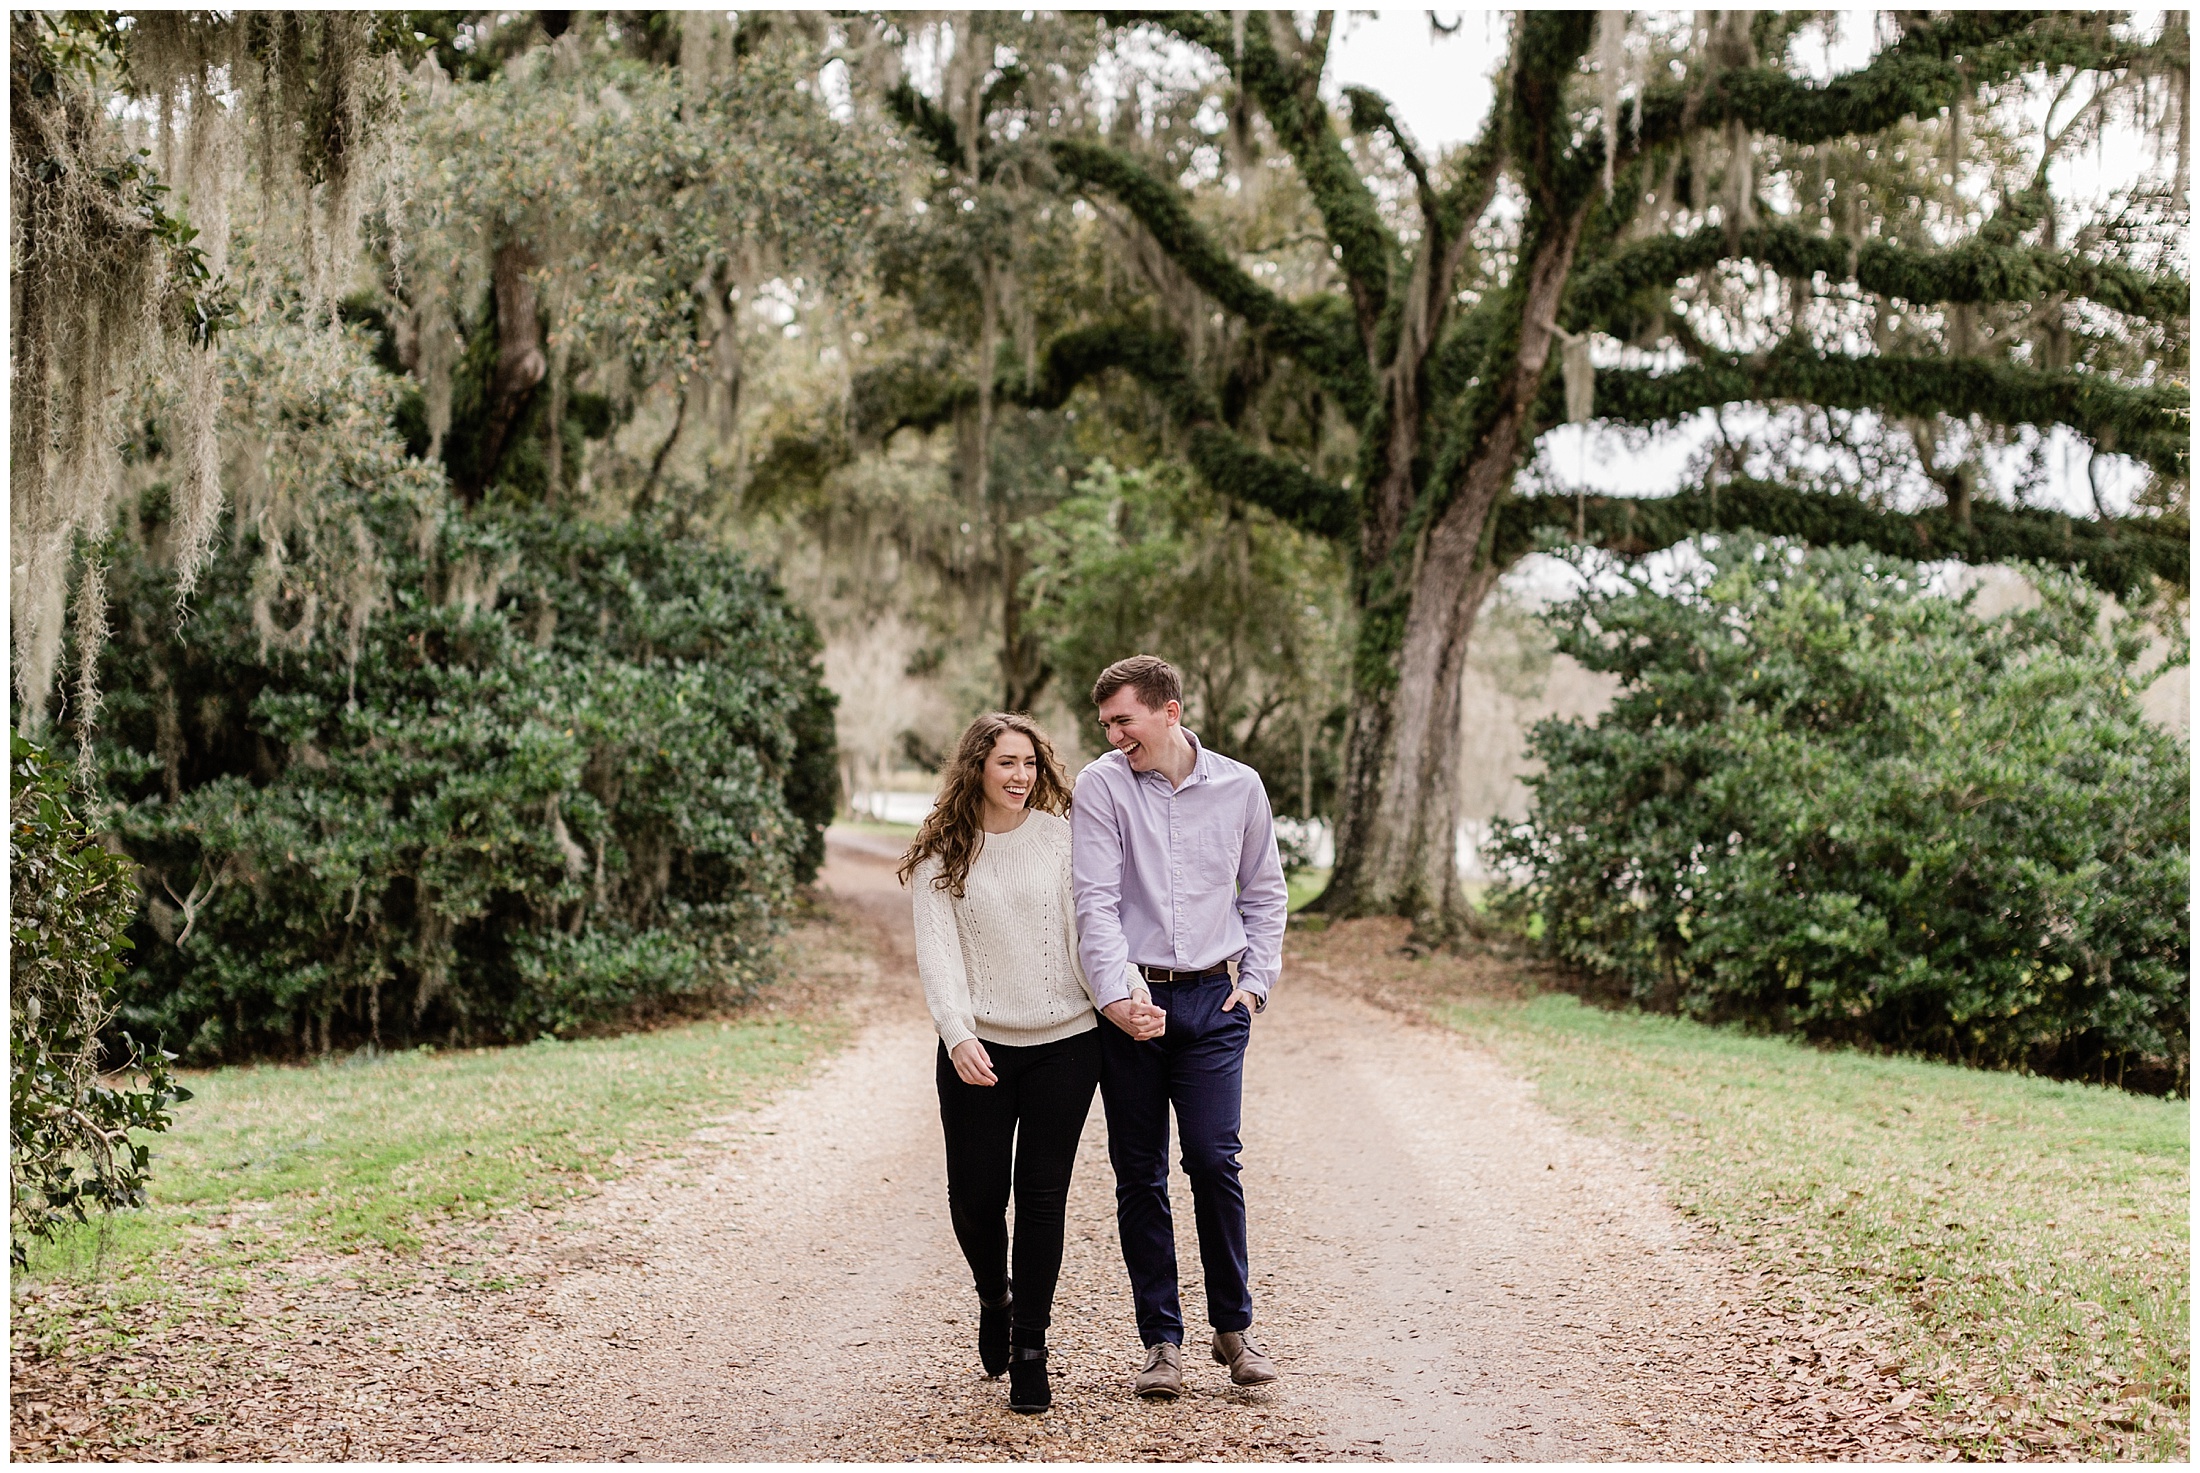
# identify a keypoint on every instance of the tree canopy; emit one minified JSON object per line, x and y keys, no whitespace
{"x":1680,"y":201}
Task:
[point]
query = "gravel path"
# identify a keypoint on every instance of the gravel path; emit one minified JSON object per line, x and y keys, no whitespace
{"x":1442,"y":1270}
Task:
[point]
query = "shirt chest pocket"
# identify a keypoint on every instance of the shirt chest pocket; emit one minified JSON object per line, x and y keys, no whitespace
{"x":1211,"y":858}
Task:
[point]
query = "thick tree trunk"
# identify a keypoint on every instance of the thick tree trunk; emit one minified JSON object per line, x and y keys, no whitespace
{"x":1397,"y":835}
{"x":521,"y":364}
{"x":1397,"y":842}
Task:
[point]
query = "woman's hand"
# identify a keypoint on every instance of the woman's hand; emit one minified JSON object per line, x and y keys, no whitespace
{"x":972,"y":1064}
{"x":1136,"y":1016}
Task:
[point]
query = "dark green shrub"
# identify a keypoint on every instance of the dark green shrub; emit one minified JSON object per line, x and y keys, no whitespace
{"x":571,"y":780}
{"x":69,"y":1146}
{"x":1828,"y":801}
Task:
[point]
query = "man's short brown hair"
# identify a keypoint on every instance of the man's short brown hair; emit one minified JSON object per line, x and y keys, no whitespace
{"x":1154,"y":678}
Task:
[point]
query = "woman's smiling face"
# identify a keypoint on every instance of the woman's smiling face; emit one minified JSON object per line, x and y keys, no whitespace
{"x":1010,"y":770}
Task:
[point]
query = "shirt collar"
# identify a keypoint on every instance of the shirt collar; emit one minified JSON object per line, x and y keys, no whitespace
{"x":1203,"y":766}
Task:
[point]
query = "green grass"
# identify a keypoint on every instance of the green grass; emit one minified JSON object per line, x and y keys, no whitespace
{"x":1305,"y":884}
{"x":339,"y":1156}
{"x":902,"y":832}
{"x":2029,"y":1238}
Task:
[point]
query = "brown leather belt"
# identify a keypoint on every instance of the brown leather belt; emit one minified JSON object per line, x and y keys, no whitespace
{"x":1165,"y":974}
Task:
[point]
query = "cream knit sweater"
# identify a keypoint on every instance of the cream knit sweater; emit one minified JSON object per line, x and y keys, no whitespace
{"x":1000,"y":964}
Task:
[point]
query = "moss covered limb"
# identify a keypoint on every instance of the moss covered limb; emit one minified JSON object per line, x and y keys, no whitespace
{"x":2143,"y":421}
{"x":1972,"y":272}
{"x":916,"y":392}
{"x":1156,"y":359}
{"x":1287,"y":90}
{"x":930,"y":122}
{"x":1371,"y":114}
{"x":1927,"y":70}
{"x":1488,"y":367}
{"x":1324,"y":345}
{"x":2124,"y":556}
{"x":920,"y":393}
{"x":1242,"y":473}
{"x":924,"y":392}
{"x":1555,"y":172}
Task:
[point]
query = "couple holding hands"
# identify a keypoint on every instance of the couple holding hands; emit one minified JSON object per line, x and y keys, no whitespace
{"x":1154,"y":897}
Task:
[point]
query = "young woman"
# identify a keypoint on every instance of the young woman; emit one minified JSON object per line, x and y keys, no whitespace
{"x":1018,"y":1056}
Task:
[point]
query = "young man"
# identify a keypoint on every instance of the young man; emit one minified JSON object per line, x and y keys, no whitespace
{"x":1178,"y":887}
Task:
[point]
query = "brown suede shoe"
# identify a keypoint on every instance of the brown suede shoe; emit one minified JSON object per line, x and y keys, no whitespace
{"x":1248,"y":1366}
{"x":1163,"y":1377}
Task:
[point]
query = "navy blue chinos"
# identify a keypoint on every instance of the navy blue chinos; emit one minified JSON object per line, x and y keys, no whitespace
{"x":1197,"y":1066}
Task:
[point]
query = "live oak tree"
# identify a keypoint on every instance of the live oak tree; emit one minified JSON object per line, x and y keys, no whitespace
{"x":989,"y":261}
{"x":1576,"y":218}
{"x":599,"y":199}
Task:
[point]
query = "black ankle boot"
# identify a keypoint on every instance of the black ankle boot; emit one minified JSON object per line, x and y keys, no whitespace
{"x":993,"y":1334}
{"x":1028,"y":1390}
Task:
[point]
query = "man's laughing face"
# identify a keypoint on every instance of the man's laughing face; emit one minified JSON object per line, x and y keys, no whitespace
{"x":1140,"y":733}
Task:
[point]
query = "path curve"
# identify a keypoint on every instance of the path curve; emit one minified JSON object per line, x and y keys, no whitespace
{"x":1442,"y":1269}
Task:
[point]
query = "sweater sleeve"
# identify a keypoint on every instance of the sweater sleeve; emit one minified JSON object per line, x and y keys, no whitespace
{"x":940,"y":958}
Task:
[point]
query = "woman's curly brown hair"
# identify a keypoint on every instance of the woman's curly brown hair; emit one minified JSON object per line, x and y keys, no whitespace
{"x":951,"y":830}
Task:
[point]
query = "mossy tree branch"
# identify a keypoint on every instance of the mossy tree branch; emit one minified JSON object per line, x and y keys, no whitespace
{"x":2142,"y":421}
{"x":1158,"y":361}
{"x":1928,"y":69}
{"x":1495,"y":398}
{"x":1288,"y":92}
{"x":1242,"y":473}
{"x":921,"y":394}
{"x":1972,"y":272}
{"x":930,"y":122}
{"x":2122,"y":557}
{"x":1308,"y":336}
{"x":1371,"y":114}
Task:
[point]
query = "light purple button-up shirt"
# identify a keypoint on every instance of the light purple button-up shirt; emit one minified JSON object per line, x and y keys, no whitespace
{"x":1186,"y":878}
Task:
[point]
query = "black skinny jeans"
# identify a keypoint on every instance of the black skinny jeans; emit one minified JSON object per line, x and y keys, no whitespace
{"x":1021,"y":1132}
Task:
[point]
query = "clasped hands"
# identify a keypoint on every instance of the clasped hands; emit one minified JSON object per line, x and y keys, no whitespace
{"x":1138,"y":1016}
{"x":1135,"y":1015}
{"x":1142,"y":1019}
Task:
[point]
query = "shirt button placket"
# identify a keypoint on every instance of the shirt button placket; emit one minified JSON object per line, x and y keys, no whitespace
{"x":1176,"y":888}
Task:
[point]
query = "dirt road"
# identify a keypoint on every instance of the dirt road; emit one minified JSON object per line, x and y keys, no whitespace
{"x":1443,"y":1271}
